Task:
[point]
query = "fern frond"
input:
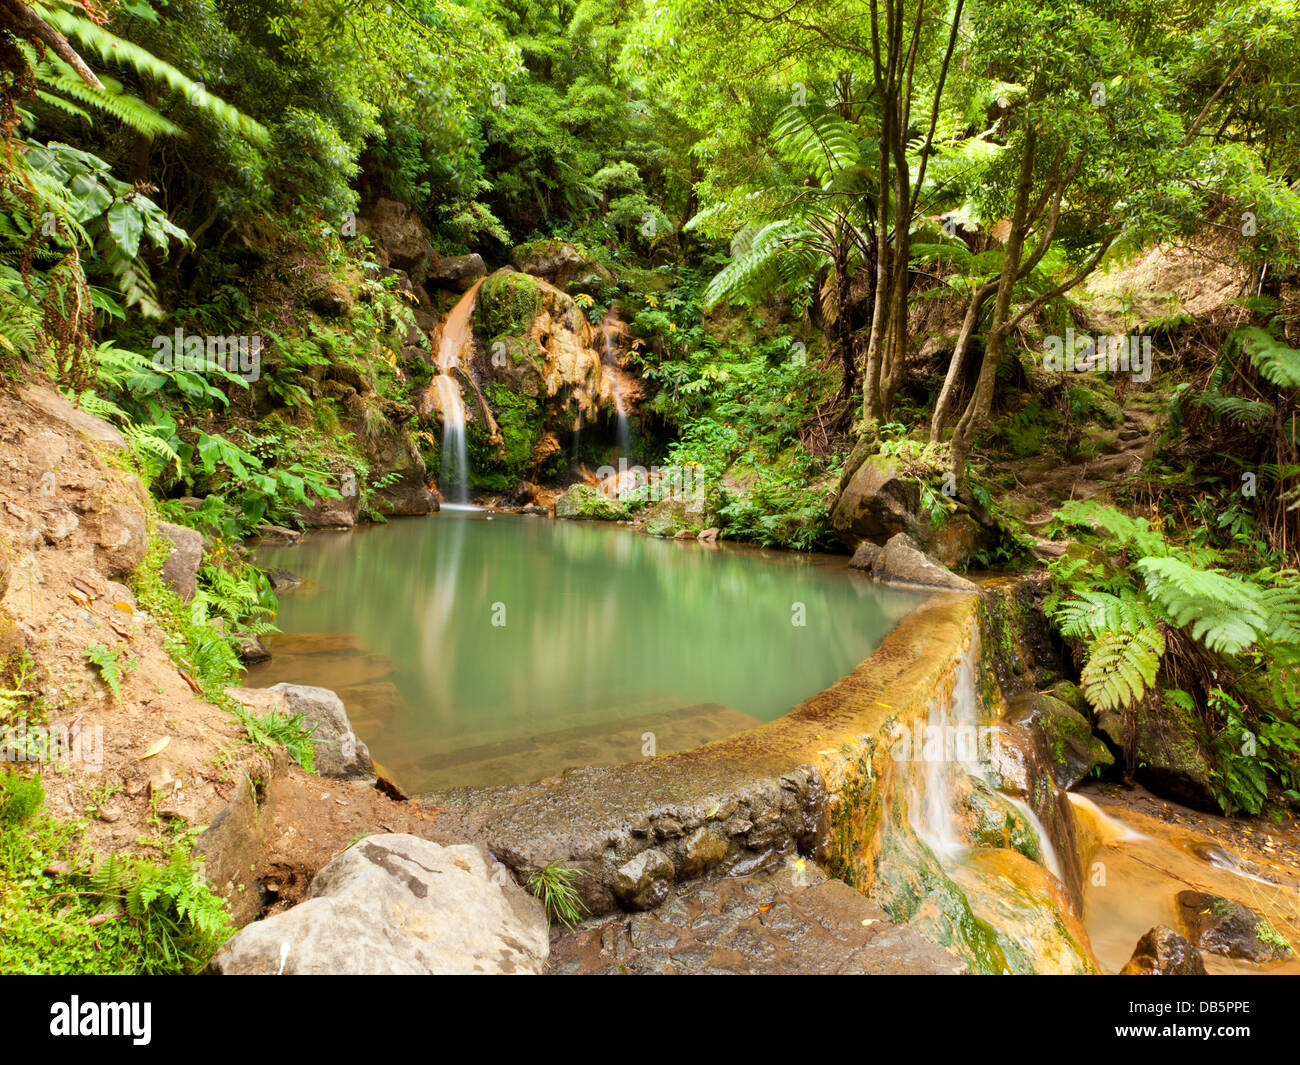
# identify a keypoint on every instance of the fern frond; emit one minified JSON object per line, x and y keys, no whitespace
{"x":1121,"y":668}
{"x":1223,"y":612}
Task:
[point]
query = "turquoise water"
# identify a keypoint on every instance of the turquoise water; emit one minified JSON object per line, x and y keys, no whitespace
{"x":472,"y":648}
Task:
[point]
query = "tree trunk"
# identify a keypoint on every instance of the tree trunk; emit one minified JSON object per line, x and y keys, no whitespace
{"x":981,"y":402}
{"x":943,"y":408}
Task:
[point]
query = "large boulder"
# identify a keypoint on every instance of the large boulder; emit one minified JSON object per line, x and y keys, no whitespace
{"x":339,"y":752}
{"x":1220,"y":926}
{"x":864,"y":558}
{"x":582,"y":502}
{"x":1169,"y":748}
{"x":457,"y":271}
{"x":670,"y":516}
{"x":96,"y":430}
{"x":562,"y":265}
{"x":398,"y":905}
{"x":391,"y":452}
{"x":181,"y":569}
{"x":903,"y":562}
{"x":122,"y":537}
{"x":338,"y":512}
{"x":399,"y":237}
{"x":876,"y":502}
{"x":1163,"y":952}
{"x":1073,"y":749}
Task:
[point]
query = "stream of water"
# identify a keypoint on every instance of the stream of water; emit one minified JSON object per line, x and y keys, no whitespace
{"x":445,"y":394}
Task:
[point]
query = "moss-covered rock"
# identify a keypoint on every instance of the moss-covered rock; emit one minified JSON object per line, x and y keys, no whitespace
{"x":1073,"y":749}
{"x":508,"y":301}
{"x":582,"y":502}
{"x":1169,"y":747}
{"x":563,"y":264}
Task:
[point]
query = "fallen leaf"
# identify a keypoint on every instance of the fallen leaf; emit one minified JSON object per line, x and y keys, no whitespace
{"x":156,"y":747}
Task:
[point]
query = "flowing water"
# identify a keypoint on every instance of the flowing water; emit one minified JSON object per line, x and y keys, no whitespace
{"x":1136,"y":864}
{"x":453,"y":479}
{"x":611,"y":327}
{"x":473,"y":648}
{"x":445,"y":394}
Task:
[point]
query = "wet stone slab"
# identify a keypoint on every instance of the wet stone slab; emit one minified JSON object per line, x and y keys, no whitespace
{"x":790,"y":920}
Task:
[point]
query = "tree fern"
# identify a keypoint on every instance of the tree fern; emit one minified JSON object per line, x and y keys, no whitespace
{"x":1094,"y":614}
{"x":1223,"y":612}
{"x":96,"y":40}
{"x":1121,"y":667}
{"x":817,"y":139}
{"x":1276,"y":361}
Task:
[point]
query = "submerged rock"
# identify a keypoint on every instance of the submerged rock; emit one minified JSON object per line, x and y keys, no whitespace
{"x":1074,"y":750}
{"x":397,"y":904}
{"x":1163,"y":952}
{"x":903,"y":562}
{"x":1220,"y":926}
{"x":584,"y":502}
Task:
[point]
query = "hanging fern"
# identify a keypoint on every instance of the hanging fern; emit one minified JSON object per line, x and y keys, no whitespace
{"x":1121,"y":668}
{"x":1223,"y":612}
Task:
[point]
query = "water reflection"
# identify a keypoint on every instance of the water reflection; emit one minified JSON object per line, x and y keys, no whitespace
{"x":491,"y":648}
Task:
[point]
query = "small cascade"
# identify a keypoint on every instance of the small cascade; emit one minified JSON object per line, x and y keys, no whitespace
{"x":611,"y":328}
{"x":444,"y":394}
{"x":975,"y":867}
{"x":454,"y":471}
{"x":1105,"y":828}
{"x":950,"y":752}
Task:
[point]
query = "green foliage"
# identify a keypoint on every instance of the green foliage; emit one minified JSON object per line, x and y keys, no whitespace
{"x":105,"y":660}
{"x":286,"y":730}
{"x":1120,"y":603}
{"x":124,"y":916}
{"x":20,"y":797}
{"x":553,"y":884}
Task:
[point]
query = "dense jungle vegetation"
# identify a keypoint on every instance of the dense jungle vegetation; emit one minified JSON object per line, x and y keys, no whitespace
{"x":838,"y":233}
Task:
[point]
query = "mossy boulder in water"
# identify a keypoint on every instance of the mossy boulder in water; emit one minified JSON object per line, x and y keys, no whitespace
{"x":1221,"y":926}
{"x":1074,"y":750}
{"x":1163,"y":952}
{"x":582,"y":502}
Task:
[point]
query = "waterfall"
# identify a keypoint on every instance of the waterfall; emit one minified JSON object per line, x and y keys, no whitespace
{"x":454,"y":473}
{"x":610,"y":327}
{"x":950,"y":749}
{"x":445,"y":394}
